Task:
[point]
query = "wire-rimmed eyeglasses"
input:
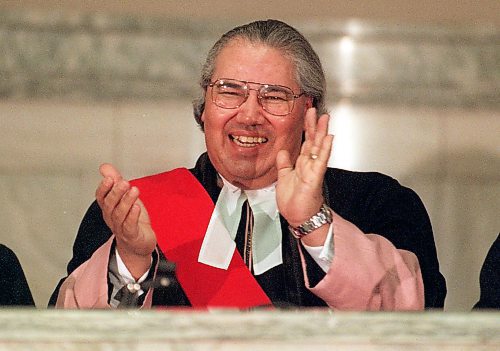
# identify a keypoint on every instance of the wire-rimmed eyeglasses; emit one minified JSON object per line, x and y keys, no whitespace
{"x":229,"y":93}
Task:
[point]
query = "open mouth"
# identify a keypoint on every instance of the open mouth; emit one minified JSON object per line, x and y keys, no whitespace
{"x":248,"y":141}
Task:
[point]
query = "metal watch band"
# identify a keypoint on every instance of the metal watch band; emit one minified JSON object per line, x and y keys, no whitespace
{"x":324,"y":216}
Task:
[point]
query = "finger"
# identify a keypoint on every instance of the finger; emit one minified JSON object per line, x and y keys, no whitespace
{"x":130,"y":226}
{"x":103,"y":189}
{"x":113,"y":197}
{"x":321,"y":132}
{"x":305,"y":149}
{"x":111,"y":177}
{"x":321,"y":129}
{"x":326,"y":149}
{"x":108,"y":170}
{"x":310,"y":121}
{"x":314,"y":154}
{"x":320,"y":164}
{"x":123,"y":208}
{"x":304,"y":158}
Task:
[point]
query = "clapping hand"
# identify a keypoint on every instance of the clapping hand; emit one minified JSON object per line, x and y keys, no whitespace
{"x":128,"y":219}
{"x":299,"y":189}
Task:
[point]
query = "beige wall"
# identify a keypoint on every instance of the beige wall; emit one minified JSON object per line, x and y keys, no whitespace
{"x":388,"y":11}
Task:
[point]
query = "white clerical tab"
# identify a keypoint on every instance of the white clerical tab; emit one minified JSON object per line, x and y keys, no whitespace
{"x":218,"y":244}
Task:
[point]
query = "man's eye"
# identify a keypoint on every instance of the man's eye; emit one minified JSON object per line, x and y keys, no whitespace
{"x":275,"y":97}
{"x":231,"y":89}
{"x":230,"y":92}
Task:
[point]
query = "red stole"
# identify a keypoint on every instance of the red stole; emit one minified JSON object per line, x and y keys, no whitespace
{"x":180,"y":210}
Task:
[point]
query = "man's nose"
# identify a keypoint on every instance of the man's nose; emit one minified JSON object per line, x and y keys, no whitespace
{"x":250,"y":112}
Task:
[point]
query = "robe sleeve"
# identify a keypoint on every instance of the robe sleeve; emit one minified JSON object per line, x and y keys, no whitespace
{"x":368,"y":273}
{"x":87,"y":286}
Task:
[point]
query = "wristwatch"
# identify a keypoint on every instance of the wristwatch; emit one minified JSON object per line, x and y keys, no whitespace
{"x":321,"y":218}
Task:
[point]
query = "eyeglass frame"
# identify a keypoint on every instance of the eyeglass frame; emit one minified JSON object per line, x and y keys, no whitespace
{"x":259,"y":96}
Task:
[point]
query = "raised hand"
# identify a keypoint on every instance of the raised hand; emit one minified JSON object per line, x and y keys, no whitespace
{"x":128,"y":219}
{"x":299,"y":189}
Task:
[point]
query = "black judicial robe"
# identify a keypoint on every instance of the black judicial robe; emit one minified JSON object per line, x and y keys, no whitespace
{"x":14,"y":289}
{"x":489,"y":278}
{"x":375,"y":203}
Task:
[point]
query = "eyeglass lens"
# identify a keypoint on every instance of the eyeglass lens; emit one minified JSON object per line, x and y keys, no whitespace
{"x":231,"y":94}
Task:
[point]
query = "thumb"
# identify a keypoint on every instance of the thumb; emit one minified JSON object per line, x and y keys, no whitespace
{"x":283,"y":163}
{"x":107,"y":170}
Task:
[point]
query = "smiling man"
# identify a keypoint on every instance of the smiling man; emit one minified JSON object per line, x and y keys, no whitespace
{"x":260,"y":220}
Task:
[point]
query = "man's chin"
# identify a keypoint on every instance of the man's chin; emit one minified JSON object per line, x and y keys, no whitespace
{"x":251,"y":179}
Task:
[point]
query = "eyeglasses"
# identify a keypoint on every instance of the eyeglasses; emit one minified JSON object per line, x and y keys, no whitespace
{"x":278,"y":100}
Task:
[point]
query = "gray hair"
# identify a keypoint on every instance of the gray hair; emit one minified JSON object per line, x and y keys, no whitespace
{"x":276,"y":34}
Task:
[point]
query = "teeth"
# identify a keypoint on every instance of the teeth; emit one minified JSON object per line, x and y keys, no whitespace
{"x":248,"y":140}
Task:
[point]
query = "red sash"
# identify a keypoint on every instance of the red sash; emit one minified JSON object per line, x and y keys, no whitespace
{"x":180,"y":210}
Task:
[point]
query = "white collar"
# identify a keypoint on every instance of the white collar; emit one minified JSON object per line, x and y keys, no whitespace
{"x":218,"y":244}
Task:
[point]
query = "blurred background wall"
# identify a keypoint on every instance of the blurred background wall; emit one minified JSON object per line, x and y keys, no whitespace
{"x":413,"y":89}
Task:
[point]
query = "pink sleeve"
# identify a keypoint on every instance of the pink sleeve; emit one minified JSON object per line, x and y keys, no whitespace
{"x":87,"y":286}
{"x":369,"y":273}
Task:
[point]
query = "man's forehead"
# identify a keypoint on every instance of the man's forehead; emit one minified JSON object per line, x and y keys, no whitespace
{"x":255,"y":61}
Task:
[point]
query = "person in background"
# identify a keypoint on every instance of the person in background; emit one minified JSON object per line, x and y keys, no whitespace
{"x":489,"y":279}
{"x":260,"y":220}
{"x":14,"y":290}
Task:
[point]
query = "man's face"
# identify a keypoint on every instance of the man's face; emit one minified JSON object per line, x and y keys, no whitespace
{"x":242,"y":143}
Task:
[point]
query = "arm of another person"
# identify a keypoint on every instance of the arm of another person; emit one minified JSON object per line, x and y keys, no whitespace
{"x":489,"y":279}
{"x":15,"y":289}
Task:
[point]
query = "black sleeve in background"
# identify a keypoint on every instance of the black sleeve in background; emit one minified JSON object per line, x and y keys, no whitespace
{"x":92,"y":234}
{"x":15,"y":290}
{"x":489,"y":278}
